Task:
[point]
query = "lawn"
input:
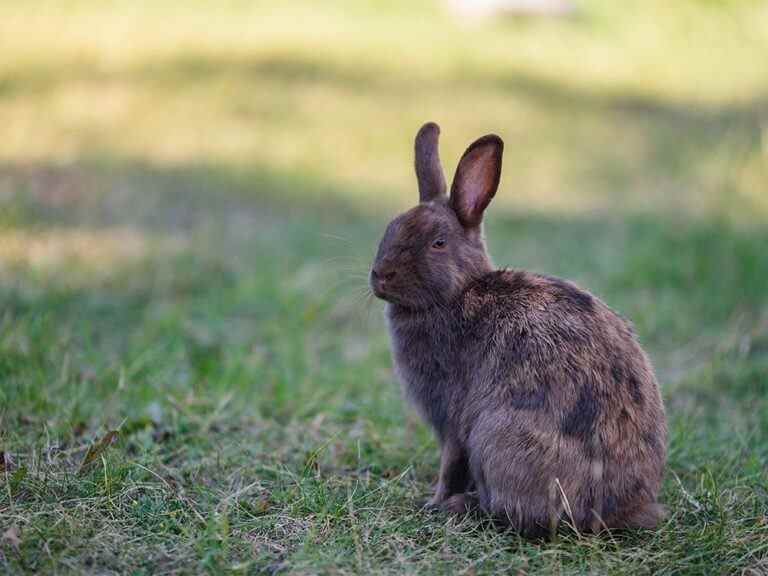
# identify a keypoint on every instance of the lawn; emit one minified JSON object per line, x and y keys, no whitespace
{"x":192,"y":376}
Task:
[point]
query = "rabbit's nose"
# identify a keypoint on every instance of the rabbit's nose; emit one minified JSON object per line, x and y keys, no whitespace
{"x":383,"y":275}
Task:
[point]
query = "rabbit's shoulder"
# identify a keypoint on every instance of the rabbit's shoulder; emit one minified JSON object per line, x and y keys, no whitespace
{"x":519,"y":295}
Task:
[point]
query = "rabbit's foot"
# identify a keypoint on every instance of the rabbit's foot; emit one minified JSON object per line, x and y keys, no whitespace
{"x":459,"y":504}
{"x":435,"y":502}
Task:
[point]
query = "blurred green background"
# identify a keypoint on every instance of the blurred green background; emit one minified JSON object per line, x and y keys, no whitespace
{"x":190,"y":195}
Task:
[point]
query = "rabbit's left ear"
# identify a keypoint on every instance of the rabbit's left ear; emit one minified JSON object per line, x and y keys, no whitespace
{"x":429,"y":172}
{"x":476,"y":180}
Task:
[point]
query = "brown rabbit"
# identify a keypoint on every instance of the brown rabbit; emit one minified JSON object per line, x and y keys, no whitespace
{"x":544,"y":404}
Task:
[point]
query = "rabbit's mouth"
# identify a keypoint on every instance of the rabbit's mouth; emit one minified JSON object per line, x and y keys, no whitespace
{"x":384,"y":291}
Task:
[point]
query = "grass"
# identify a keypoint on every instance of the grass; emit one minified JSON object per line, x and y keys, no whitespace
{"x":190,"y":195}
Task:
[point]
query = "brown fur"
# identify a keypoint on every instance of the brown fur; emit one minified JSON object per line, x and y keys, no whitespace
{"x":541,"y":397}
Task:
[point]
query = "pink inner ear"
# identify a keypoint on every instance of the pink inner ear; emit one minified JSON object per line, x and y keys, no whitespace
{"x":475,"y":185}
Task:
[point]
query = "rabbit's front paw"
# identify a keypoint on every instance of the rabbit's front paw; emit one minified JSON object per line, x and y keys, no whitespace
{"x":435,"y":502}
{"x":458,"y":504}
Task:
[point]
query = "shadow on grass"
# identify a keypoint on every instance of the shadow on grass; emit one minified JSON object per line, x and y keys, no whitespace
{"x":674,"y":277}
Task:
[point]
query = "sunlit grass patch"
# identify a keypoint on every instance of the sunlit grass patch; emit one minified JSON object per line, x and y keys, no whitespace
{"x":642,"y":107}
{"x":98,"y":250}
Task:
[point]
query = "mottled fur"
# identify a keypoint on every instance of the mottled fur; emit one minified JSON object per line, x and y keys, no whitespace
{"x":546,"y":408}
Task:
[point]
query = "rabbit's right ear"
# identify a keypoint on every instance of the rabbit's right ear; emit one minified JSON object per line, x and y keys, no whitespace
{"x":477,"y":179}
{"x":429,"y":172}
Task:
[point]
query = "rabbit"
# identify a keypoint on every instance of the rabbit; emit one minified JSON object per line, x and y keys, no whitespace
{"x":545,"y":407}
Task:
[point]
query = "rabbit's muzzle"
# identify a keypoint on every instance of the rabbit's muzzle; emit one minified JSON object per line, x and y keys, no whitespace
{"x":381,"y":280}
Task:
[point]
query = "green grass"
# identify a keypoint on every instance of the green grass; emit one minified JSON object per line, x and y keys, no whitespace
{"x":190,"y":195}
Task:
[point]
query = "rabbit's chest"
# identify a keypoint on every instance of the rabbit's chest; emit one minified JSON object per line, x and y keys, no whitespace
{"x":429,"y":370}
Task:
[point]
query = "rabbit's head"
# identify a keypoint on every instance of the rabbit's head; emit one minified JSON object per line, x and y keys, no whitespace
{"x":432,"y":251}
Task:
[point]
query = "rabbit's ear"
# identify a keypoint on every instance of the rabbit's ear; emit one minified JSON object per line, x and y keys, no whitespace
{"x":429,"y":173}
{"x":476,"y":179}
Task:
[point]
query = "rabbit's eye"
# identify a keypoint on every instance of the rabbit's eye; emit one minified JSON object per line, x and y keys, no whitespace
{"x":438,"y":244}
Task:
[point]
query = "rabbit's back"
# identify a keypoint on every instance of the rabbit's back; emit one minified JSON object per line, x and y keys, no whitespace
{"x":561,"y":406}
